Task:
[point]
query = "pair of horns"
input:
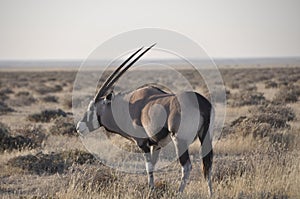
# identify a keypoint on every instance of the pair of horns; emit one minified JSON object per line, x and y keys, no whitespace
{"x":109,"y":82}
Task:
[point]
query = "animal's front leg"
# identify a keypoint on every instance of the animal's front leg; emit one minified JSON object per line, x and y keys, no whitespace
{"x":149,"y":170}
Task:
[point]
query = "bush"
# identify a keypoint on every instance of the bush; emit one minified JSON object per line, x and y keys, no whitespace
{"x":46,"y":115}
{"x":51,"y":163}
{"x":43,"y":89}
{"x":4,"y":108}
{"x":23,"y":98}
{"x":18,"y":142}
{"x":35,"y":133}
{"x":270,"y":84}
{"x":6,"y":91}
{"x":246,"y":98}
{"x":287,"y":94}
{"x":22,"y":94}
{"x":247,"y":126}
{"x":3,"y":97}
{"x":50,"y":98}
{"x":63,"y":126}
{"x":276,"y":116}
{"x":4,"y":131}
{"x":261,"y":122}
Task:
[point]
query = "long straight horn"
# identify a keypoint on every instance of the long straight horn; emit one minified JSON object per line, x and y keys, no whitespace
{"x":102,"y":90}
{"x":127,"y":67}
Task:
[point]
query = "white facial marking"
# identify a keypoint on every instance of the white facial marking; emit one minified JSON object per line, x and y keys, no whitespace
{"x":82,"y":128}
{"x":95,"y":121}
{"x":92,"y":115}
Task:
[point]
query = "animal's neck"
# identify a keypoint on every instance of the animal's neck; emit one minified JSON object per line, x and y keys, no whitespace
{"x":114,"y":115}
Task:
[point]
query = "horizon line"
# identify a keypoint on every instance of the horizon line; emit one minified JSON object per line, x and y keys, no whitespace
{"x":148,"y":59}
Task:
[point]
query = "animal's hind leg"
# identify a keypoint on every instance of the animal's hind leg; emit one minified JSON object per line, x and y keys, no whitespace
{"x":207,"y":166}
{"x":154,"y":155}
{"x":149,"y":166}
{"x":207,"y":159}
{"x":182,"y":152}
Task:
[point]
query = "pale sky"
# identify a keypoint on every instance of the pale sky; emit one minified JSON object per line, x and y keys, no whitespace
{"x":56,"y":29}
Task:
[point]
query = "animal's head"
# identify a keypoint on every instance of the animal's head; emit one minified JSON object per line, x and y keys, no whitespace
{"x":102,"y":101}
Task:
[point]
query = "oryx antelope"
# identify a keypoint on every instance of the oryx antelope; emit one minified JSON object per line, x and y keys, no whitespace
{"x":156,"y":115}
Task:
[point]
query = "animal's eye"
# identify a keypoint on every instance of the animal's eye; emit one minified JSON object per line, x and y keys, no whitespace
{"x":106,"y":101}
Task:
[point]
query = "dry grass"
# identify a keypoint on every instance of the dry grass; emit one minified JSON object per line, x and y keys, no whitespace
{"x":257,"y":155}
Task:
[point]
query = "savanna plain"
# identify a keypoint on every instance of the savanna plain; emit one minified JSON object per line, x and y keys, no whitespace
{"x":256,"y":156}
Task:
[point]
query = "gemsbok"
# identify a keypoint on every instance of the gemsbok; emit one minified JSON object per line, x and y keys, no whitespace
{"x":156,"y":116}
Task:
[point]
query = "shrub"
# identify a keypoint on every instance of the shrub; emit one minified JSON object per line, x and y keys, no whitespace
{"x":234,"y":85}
{"x":46,"y":115}
{"x":287,"y":94}
{"x":4,"y":131}
{"x":247,"y":126}
{"x":41,"y":163}
{"x":22,"y":94}
{"x":63,"y":126}
{"x":4,"y":108}
{"x":50,"y":98}
{"x":35,"y":133}
{"x":18,"y":142}
{"x":276,"y":116}
{"x":6,"y":91}
{"x":261,"y":122}
{"x":270,"y":84}
{"x":246,"y":98}
{"x":43,"y":89}
{"x":23,"y":98}
{"x":3,"y":97}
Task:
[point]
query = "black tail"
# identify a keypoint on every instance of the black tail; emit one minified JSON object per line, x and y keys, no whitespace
{"x":207,"y":112}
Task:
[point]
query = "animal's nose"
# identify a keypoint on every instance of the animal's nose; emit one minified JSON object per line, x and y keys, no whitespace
{"x":81,"y":128}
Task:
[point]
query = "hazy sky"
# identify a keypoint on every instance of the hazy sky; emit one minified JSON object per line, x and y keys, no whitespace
{"x":56,"y":29}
